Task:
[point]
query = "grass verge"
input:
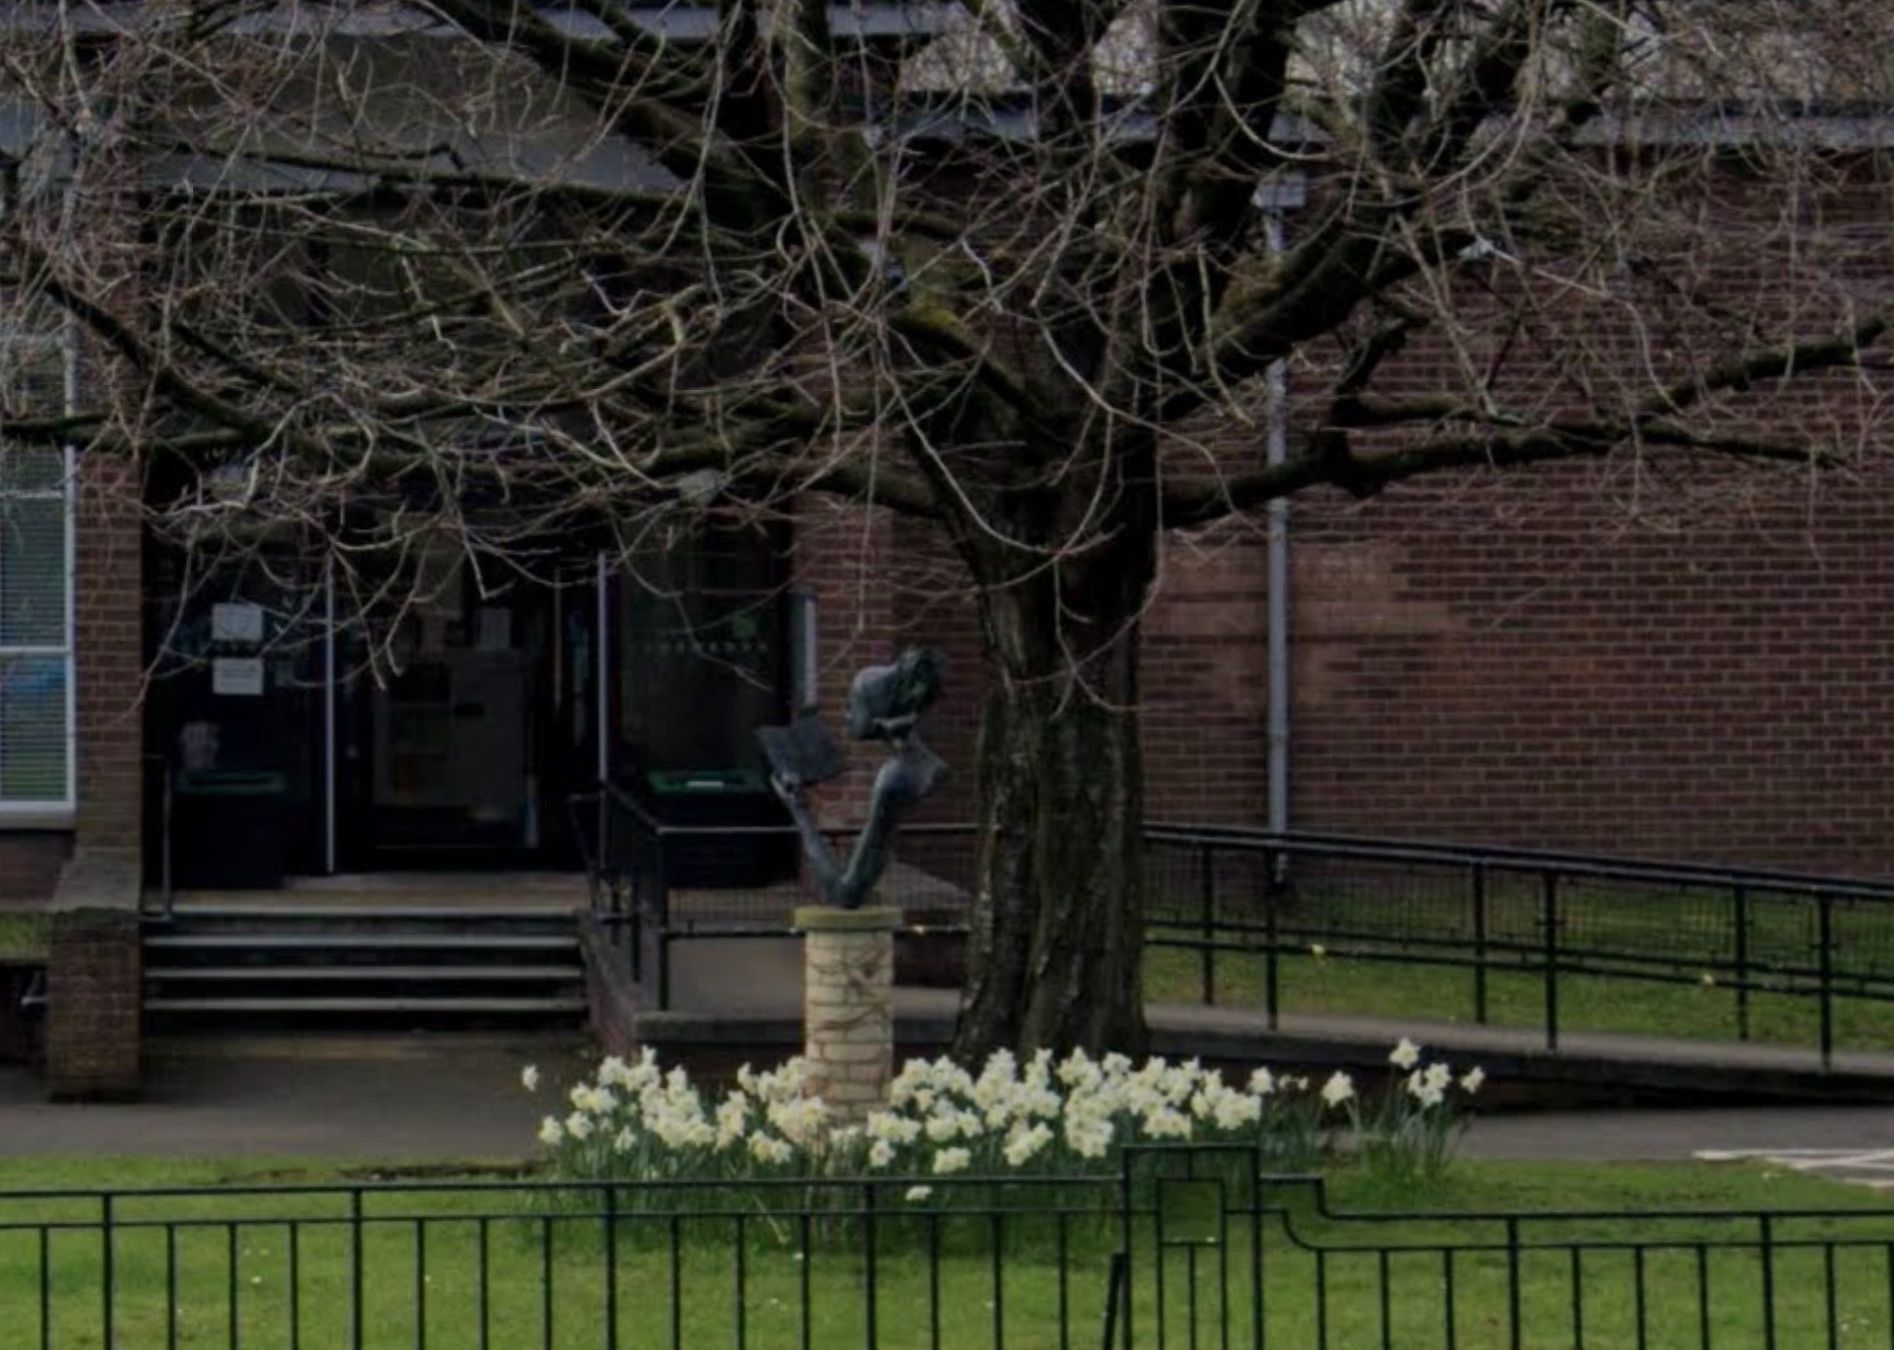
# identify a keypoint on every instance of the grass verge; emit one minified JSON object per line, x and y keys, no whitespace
{"x":239,"y":1273}
{"x":24,"y":937}
{"x":1340,"y":984}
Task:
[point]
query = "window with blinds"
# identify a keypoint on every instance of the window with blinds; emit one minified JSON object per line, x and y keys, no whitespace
{"x":36,"y":521}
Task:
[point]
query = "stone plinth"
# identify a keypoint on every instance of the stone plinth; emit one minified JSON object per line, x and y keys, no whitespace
{"x":848,"y":1005}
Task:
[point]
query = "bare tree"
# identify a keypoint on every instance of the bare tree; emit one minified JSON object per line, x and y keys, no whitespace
{"x":1031,"y":273}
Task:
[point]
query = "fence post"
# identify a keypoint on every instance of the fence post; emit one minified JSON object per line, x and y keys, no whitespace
{"x":871,"y":1313}
{"x":1479,"y":943}
{"x":636,"y":938}
{"x":602,"y":856}
{"x":1118,"y":1291}
{"x":355,"y":1269}
{"x":1550,"y":921}
{"x":1768,"y":1253}
{"x":1514,"y":1323}
{"x":1739,"y":902}
{"x":107,"y":1271}
{"x":661,"y":905}
{"x":1272,"y":897}
{"x":1114,"y":1284}
{"x":1206,"y":914}
{"x":1825,"y":931}
{"x":611,"y":1265}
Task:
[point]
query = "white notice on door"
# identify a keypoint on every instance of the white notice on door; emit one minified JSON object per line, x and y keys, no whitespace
{"x":236,"y":623}
{"x":241,"y":676}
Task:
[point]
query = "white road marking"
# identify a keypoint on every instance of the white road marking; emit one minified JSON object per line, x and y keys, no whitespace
{"x":1871,"y":1167}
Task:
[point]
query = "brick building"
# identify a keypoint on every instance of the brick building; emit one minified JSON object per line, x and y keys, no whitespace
{"x":1539,"y":658}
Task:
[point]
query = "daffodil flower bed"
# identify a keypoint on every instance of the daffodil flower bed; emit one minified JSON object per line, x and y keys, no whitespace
{"x":1044,"y":1117}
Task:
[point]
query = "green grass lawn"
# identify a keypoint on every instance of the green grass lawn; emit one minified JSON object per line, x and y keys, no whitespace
{"x":689,"y":1294}
{"x":1694,"y":928}
{"x":24,"y":937}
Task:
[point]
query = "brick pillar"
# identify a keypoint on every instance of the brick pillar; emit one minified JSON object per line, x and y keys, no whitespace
{"x":93,"y":988}
{"x":848,"y":1005}
{"x":93,"y":1005}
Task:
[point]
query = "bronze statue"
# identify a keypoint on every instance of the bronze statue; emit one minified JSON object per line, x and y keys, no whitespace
{"x":884,"y":703}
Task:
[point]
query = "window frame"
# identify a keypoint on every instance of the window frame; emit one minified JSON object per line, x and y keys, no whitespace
{"x":55,"y":813}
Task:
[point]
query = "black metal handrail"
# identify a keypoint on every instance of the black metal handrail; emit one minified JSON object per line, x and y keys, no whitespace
{"x":167,"y":889}
{"x":626,"y":851}
{"x":1228,"y":892}
{"x":1508,"y":856}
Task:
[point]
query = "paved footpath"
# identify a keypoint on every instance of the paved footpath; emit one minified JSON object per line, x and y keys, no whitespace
{"x":459,"y":1097}
{"x":392,"y":1097}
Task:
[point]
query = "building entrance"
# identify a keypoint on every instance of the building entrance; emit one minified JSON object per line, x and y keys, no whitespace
{"x":452,"y":734}
{"x":458,"y":740}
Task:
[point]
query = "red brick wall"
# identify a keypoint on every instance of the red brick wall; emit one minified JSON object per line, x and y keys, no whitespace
{"x":1204,"y":679}
{"x":1522,"y":661}
{"x":29,"y":864}
{"x":110,"y":656}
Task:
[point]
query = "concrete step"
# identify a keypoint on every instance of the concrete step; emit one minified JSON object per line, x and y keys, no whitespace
{"x":369,"y":914}
{"x":363,"y":941}
{"x":365,"y":972}
{"x":472,"y":1006}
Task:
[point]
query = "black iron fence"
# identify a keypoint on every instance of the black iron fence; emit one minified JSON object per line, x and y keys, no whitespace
{"x":1550,"y":920}
{"x":1185,"y":1246}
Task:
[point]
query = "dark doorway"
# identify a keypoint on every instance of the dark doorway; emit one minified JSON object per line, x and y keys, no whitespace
{"x":458,"y":743}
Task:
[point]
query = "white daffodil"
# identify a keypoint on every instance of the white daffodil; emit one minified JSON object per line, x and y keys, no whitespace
{"x":1237,"y":1109}
{"x":1471,"y":1082}
{"x":529,"y":1078}
{"x":1025,"y":1143}
{"x":579,"y":1126}
{"x":769,"y":1149}
{"x":1262,"y":1083}
{"x":1338,"y":1089}
{"x":1167,"y":1123}
{"x":1438,"y":1076}
{"x":1405,"y":1055}
{"x":950,"y":1160}
{"x":880,"y":1153}
{"x":551,"y":1131}
{"x":916,"y":1194}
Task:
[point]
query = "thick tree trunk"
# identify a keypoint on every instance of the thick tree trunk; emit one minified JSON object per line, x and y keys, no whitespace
{"x":1058,"y":918}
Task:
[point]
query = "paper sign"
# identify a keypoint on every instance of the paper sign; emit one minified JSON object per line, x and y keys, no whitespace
{"x":241,"y":677}
{"x":236,"y":623}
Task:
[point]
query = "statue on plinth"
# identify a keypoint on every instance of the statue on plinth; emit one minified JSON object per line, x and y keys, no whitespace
{"x":885,"y":703}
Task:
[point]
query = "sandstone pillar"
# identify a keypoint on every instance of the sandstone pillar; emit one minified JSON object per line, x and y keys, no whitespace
{"x":848,"y":1005}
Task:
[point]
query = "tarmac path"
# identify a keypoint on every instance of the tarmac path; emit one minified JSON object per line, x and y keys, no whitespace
{"x":452,"y":1096}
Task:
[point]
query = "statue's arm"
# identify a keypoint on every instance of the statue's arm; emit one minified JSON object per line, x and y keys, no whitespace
{"x":870,"y":858}
{"x":815,"y":847}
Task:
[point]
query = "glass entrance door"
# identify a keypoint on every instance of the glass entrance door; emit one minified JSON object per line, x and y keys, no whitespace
{"x":458,"y":747}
